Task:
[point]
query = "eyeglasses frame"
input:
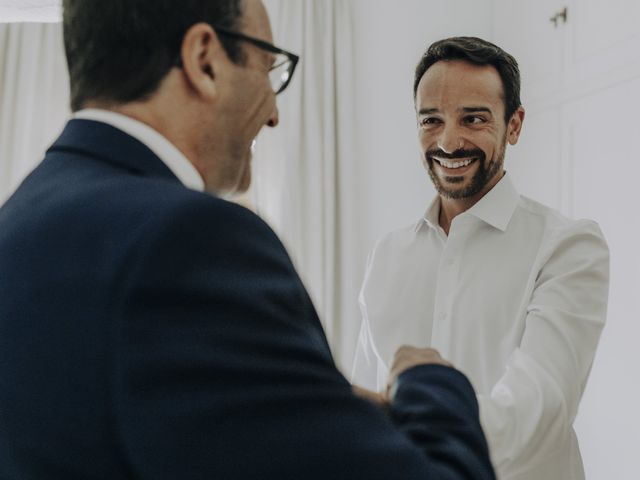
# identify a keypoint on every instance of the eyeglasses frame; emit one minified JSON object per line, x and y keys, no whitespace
{"x":269,"y":47}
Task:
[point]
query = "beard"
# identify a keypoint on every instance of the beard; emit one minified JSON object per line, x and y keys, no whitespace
{"x":485,"y":172}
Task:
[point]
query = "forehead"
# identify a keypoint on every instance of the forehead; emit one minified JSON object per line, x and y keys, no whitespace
{"x":255,"y":20}
{"x":456,"y":84}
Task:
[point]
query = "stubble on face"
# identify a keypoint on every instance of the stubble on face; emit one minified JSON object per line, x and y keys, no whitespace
{"x":248,"y":105}
{"x":486,"y":171}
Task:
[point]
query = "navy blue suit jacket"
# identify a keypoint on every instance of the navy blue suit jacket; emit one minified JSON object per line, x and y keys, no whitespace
{"x":148,"y":331}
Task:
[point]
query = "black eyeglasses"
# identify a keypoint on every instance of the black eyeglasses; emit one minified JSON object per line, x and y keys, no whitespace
{"x":283,"y":66}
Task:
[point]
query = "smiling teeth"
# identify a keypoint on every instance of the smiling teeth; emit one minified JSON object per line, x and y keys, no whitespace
{"x":463,"y":163}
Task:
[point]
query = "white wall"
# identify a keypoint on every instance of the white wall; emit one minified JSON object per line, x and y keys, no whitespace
{"x":604,"y":187}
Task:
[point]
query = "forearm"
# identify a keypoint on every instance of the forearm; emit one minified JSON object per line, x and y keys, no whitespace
{"x":525,"y":417}
{"x":528,"y":414}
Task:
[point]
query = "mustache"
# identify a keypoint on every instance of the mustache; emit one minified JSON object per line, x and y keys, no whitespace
{"x":460,"y":153}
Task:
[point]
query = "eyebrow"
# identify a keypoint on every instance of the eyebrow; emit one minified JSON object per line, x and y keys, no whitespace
{"x":428,"y":111}
{"x":477,"y":110}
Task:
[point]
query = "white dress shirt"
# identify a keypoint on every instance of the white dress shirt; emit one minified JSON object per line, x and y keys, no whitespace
{"x":152,"y":139}
{"x":515,"y":297}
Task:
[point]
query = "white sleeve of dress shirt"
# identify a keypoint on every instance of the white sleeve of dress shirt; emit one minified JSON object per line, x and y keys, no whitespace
{"x":530,"y":411}
{"x":369,"y":371}
{"x":365,"y":363}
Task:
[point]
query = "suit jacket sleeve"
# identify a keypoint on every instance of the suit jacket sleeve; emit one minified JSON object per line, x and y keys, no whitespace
{"x":222,"y":370}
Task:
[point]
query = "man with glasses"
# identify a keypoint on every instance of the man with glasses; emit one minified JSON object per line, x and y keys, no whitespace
{"x":150,"y":329}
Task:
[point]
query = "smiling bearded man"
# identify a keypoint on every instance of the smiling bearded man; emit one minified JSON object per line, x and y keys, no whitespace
{"x":508,"y":290}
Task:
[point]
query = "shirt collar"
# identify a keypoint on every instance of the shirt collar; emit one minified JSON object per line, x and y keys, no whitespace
{"x":173,"y":158}
{"x":495,"y":208}
{"x":432,"y":215}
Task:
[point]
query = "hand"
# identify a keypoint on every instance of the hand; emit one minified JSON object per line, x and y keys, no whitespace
{"x":379,"y":399}
{"x":407,"y":357}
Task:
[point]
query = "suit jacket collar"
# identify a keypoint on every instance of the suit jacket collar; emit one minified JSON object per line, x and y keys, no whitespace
{"x":100,"y":140}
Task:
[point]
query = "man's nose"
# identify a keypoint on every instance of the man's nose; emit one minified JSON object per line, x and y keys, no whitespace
{"x":273,"y":119}
{"x":450,"y":139}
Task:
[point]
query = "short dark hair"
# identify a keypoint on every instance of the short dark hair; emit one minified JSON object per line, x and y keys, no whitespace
{"x":120,"y":50}
{"x":479,"y":52}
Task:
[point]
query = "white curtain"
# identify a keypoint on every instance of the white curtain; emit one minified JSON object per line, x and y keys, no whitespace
{"x":305,"y":183}
{"x":34,"y":97}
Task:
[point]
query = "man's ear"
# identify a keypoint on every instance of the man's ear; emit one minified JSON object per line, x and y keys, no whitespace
{"x":515,"y":125}
{"x":201,"y":54}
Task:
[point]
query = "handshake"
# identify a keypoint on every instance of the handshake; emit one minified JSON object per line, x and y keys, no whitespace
{"x":406,"y":357}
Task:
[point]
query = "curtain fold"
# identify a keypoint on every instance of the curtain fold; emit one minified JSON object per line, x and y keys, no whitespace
{"x":305,"y":183}
{"x":34,"y":97}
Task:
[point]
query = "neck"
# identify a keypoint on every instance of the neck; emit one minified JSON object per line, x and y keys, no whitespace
{"x":450,"y":208}
{"x":158,"y":116}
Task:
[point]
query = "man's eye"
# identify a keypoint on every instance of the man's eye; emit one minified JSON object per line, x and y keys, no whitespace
{"x":429,"y":121}
{"x":474,"y":119}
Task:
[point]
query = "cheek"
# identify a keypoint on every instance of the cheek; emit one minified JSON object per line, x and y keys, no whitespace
{"x":488,"y":142}
{"x":426,"y":140}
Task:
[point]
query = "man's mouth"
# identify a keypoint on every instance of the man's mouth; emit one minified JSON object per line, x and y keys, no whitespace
{"x":455,"y":164}
{"x":452,"y":163}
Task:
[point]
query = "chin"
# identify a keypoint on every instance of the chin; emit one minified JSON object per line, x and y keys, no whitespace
{"x":241,"y":187}
{"x":236,"y":178}
{"x":245,"y":183}
{"x":245,"y":178}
